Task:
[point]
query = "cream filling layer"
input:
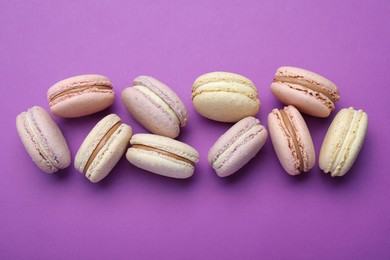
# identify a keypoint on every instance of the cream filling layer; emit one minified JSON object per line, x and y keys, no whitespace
{"x":160,"y":151}
{"x":226,"y":86}
{"x":78,"y":90}
{"x":158,"y":100}
{"x":100,"y":145}
{"x":332,"y":95}
{"x":292,"y":132}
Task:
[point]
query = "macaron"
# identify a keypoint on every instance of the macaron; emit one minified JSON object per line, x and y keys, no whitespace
{"x":309,"y":92}
{"x":237,"y":146}
{"x":155,"y":106}
{"x":343,"y":141}
{"x":80,"y":95}
{"x":291,"y":140}
{"x":225,"y":97}
{"x":162,"y":155}
{"x":43,"y":140}
{"x":102,"y":148}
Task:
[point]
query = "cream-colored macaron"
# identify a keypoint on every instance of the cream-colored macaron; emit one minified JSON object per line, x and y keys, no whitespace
{"x":225,"y":97}
{"x":343,"y":141}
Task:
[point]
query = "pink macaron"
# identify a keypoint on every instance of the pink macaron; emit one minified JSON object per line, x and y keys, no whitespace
{"x":291,"y":140}
{"x":155,"y":106}
{"x":80,"y":95}
{"x":237,"y":146}
{"x":309,"y":92}
{"x":43,"y":140}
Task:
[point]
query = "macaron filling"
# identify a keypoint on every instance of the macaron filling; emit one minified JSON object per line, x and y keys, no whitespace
{"x":307,"y":83}
{"x":166,"y":153}
{"x":217,"y":77}
{"x":76,"y":91}
{"x":101,"y":144}
{"x":226,"y":86}
{"x":286,"y":120}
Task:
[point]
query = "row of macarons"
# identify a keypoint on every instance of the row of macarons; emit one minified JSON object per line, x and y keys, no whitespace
{"x":221,"y":96}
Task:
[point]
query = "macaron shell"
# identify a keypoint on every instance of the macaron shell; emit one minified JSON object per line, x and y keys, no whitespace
{"x":159,"y":163}
{"x":343,"y":141}
{"x":166,"y":94}
{"x":305,"y":100}
{"x":237,"y":146}
{"x":110,"y":154}
{"x":43,"y":140}
{"x":280,"y":141}
{"x":149,"y":114}
{"x":82,"y":104}
{"x":225,"y":106}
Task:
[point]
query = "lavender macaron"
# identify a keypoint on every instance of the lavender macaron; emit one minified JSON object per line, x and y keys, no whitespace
{"x":155,"y":106}
{"x":237,"y":146}
{"x":43,"y":140}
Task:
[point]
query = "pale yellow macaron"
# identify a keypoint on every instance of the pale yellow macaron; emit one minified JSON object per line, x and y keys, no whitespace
{"x":343,"y":141}
{"x":225,"y":97}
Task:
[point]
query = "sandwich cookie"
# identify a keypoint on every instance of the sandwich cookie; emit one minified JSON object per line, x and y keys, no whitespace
{"x":225,"y":97}
{"x":291,"y":140}
{"x":343,"y":141}
{"x":43,"y":140}
{"x":102,"y":148}
{"x":80,"y":95}
{"x":309,"y":92}
{"x":162,"y":155}
{"x":155,"y":106}
{"x":237,"y":146}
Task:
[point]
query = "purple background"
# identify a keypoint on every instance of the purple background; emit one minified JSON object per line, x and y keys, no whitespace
{"x":260,"y":212}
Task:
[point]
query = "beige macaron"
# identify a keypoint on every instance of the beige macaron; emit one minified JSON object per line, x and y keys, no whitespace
{"x":225,"y":97}
{"x":343,"y":141}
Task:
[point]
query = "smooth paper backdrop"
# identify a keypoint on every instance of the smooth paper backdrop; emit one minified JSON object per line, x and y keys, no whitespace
{"x":258,"y":213}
